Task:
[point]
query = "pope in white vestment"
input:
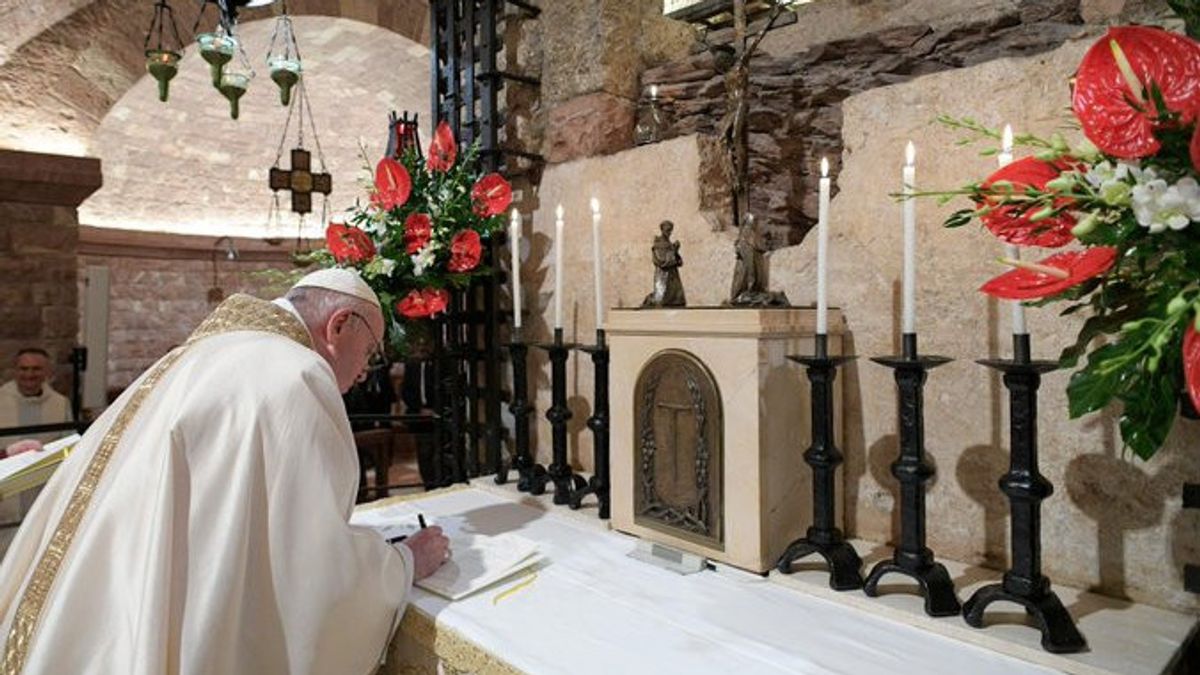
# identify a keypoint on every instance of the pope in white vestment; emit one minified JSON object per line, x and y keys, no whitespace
{"x":201,"y":524}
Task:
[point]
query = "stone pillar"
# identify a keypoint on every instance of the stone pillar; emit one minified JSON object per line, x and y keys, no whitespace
{"x":39,"y":237}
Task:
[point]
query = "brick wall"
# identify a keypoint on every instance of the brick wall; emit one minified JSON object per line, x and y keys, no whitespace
{"x":154,"y":304}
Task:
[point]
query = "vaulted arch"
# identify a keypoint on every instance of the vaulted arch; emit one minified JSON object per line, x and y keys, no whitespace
{"x":66,"y":63}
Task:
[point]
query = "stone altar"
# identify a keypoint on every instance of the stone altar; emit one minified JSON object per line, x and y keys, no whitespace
{"x":720,"y":474}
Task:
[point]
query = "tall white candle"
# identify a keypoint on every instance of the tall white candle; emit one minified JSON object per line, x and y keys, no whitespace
{"x":822,"y":243}
{"x":1011,"y":250}
{"x":596,"y":267}
{"x":514,"y":243}
{"x":558,"y":266}
{"x":909,"y":283}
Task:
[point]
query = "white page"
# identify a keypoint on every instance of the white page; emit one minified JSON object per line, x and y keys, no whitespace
{"x":395,"y":520}
{"x":479,"y":561}
{"x":14,"y":464}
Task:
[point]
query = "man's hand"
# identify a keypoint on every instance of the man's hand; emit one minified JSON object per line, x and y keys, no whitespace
{"x":430,"y":549}
{"x":27,"y":445}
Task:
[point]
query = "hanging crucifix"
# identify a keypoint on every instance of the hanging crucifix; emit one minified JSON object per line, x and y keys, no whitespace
{"x":301,"y":181}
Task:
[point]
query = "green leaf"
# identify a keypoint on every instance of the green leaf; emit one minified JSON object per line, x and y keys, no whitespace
{"x":1149,"y":413}
{"x":959,"y":218}
{"x":1094,"y":327}
{"x":1091,"y":388}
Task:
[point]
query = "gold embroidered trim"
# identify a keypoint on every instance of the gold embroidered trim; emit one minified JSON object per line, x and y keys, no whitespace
{"x":239,"y":312}
{"x":245,"y":312}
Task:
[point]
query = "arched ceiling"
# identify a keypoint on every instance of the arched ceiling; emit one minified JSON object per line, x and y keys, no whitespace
{"x":184,"y":166}
{"x":64,"y":63}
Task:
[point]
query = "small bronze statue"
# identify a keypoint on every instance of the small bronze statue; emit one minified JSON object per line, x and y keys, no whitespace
{"x":668,"y":289}
{"x":749,"y":287}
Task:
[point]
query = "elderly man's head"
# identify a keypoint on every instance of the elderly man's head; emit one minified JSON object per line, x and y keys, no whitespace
{"x":346,"y":330}
{"x":33,"y":369}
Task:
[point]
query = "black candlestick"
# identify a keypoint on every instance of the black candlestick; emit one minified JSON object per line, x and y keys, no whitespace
{"x":824,"y":457}
{"x":912,"y":557}
{"x":1024,"y":583}
{"x":559,"y":470}
{"x":531,"y":476}
{"x":598,"y":423}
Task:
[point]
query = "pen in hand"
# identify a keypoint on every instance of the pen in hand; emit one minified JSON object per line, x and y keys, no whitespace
{"x":396,"y":540}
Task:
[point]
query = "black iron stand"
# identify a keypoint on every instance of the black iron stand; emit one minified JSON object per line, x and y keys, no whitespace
{"x":598,"y":423}
{"x":531,"y":476}
{"x":1024,"y":583}
{"x":912,"y":557}
{"x":824,"y":457}
{"x":559,"y":470}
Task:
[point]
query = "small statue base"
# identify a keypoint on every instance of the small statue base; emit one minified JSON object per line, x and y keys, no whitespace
{"x":760,"y":299}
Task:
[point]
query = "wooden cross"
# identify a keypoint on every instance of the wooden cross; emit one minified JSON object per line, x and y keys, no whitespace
{"x":301,"y":181}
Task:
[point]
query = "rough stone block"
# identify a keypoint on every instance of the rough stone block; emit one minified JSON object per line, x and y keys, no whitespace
{"x":594,"y":124}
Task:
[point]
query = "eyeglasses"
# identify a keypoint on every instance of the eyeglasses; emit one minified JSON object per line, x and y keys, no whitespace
{"x":377,"y":360}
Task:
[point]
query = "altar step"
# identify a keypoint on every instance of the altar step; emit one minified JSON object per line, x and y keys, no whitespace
{"x":1124,"y":638}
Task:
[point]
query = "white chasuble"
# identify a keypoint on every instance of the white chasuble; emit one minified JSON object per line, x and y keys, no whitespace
{"x":201,"y":524}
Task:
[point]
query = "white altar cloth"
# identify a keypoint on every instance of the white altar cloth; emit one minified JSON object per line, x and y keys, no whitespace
{"x":592,"y":609}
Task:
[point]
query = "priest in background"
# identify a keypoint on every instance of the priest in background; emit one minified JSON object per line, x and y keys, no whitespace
{"x":200,"y":526}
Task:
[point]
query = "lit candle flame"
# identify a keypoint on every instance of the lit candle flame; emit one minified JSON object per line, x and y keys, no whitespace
{"x":910,"y":154}
{"x":558,"y":212}
{"x":824,"y":167}
{"x":654,"y":91}
{"x":595,"y":206}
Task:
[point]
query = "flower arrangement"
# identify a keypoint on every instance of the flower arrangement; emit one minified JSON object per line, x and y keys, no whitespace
{"x":1125,"y":208}
{"x":421,"y":234}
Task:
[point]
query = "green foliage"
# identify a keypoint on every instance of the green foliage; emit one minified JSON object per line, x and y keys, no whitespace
{"x":1138,"y":310}
{"x":1189,"y":11}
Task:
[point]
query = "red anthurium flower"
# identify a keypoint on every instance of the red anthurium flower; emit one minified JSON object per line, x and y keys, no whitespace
{"x":464,"y":251}
{"x":1011,"y":222}
{"x":491,"y":195}
{"x":418,"y":228}
{"x":1027,"y":284}
{"x":348,"y":244}
{"x":419,"y":304}
{"x":442,"y":149}
{"x":1108,"y":107}
{"x":392,"y":184}
{"x":1191,"y":362}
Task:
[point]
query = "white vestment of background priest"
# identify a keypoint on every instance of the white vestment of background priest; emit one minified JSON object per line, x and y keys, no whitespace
{"x":201,"y":524}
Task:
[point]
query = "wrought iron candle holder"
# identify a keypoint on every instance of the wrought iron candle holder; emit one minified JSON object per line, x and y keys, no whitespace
{"x":912,"y":557}
{"x":1024,"y":583}
{"x":531,"y":476}
{"x":599,"y":483}
{"x":559,"y":470}
{"x":823,"y":536}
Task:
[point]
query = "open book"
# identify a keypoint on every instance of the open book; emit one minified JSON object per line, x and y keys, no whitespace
{"x":477,"y":561}
{"x":31,"y":469}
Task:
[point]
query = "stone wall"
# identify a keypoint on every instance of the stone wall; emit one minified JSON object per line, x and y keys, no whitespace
{"x":39,"y":236}
{"x":1114,"y":523}
{"x":796,"y":95}
{"x":156,"y":303}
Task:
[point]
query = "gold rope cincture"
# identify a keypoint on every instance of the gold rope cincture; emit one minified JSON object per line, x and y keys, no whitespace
{"x":239,"y":312}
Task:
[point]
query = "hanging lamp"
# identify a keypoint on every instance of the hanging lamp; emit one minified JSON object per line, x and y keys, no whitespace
{"x":162,"y":61}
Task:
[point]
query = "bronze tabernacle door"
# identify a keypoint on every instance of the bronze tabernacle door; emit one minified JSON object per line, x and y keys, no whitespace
{"x":677,"y":444}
